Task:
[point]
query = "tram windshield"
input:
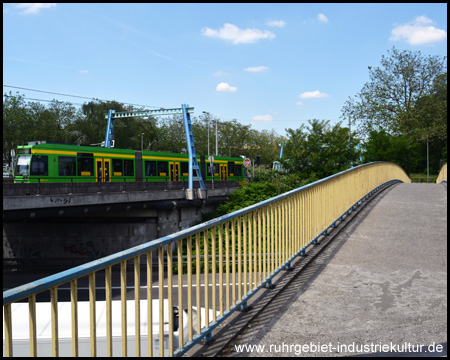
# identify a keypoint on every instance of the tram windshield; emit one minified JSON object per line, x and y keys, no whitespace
{"x":23,"y":165}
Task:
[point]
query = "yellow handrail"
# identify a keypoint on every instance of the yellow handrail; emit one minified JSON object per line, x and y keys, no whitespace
{"x":442,"y":175}
{"x":247,"y":249}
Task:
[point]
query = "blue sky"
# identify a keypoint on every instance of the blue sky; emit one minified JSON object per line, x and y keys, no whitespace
{"x":270,"y":65}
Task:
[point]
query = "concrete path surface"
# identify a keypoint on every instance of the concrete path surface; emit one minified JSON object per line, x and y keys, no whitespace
{"x":378,"y":289}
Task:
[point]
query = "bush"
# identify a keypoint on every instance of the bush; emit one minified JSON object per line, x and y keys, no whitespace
{"x":266,"y":184}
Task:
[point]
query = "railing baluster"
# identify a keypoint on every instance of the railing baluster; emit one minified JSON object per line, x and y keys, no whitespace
{"x":259,"y":248}
{"x":272,"y":239}
{"x":278,"y":234}
{"x":220,"y":269}
{"x":54,"y":311}
{"x":150,"y":303}
{"x":227,"y":263}
{"x":170,"y":295}
{"x":74,"y":310}
{"x":8,"y":330}
{"x":239,"y":262}
{"x":206,"y":275}
{"x":137,"y":304}
{"x":93,"y":322}
{"x":161,"y":299}
{"x":264,"y":250}
{"x":180,"y":293}
{"x":233,"y":260}
{"x":255,"y":251}
{"x":32,"y":317}
{"x":250,"y":258}
{"x":108,"y":299}
{"x":123,"y":301}
{"x":197,"y":281}
{"x":189,"y":269}
{"x":244,"y":219}
{"x":213,"y":275}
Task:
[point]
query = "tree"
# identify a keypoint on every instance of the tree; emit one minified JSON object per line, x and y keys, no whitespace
{"x":171,"y":135}
{"x":16,"y":123}
{"x":268,"y":144}
{"x":390,"y":98}
{"x":91,"y":126}
{"x":52,"y":123}
{"x":234,"y":138}
{"x":430,"y":121}
{"x":319,"y":150}
{"x":382,"y":146}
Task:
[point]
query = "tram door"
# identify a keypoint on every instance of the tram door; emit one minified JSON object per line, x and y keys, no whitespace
{"x":174,"y":171}
{"x":223,"y":172}
{"x":103,"y":169}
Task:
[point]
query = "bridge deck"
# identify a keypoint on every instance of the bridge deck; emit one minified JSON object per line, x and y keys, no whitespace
{"x":381,"y":281}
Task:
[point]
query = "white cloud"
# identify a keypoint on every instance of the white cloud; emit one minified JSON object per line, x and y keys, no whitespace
{"x":322,"y":18}
{"x":276,"y":23}
{"x":313,"y":95}
{"x":263,"y":118}
{"x":418,"y":32}
{"x":299,"y":103}
{"x":233,"y":34}
{"x":34,"y":8}
{"x":83,"y":71}
{"x":224,"y":87}
{"x":256,"y":68}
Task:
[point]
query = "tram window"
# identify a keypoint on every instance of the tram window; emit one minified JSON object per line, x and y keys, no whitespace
{"x":39,"y":165}
{"x":184,"y":168}
{"x":231,"y":169}
{"x":238,"y":170}
{"x":128,"y":167}
{"x":66,"y":166}
{"x":85,"y":166}
{"x":22,"y":165}
{"x":162,"y":168}
{"x":117,"y":167}
{"x":150,"y":168}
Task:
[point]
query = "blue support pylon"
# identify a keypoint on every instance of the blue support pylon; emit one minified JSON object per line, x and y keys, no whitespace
{"x":109,"y":129}
{"x":193,"y":163}
{"x":185,"y":111}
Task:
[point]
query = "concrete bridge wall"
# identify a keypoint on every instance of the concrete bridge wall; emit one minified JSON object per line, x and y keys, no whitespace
{"x":94,"y":235}
{"x":82,"y":226}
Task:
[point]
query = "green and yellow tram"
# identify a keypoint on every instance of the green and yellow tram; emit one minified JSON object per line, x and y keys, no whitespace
{"x":53,"y":162}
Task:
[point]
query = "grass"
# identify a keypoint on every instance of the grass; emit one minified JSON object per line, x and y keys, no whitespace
{"x":423,"y":178}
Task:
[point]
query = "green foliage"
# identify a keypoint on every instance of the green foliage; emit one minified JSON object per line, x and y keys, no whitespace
{"x":247,"y":195}
{"x":390,"y":99}
{"x":23,"y":122}
{"x":15,"y":122}
{"x":266,"y":185}
{"x":430,"y":119}
{"x":402,"y":109}
{"x":382,"y":146}
{"x":319,"y":149}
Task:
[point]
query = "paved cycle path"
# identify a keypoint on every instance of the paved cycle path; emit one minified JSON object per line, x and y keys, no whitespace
{"x":379,"y":288}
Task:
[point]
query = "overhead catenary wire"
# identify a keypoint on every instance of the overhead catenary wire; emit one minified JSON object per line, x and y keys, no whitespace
{"x":75,"y":96}
{"x":92,"y":98}
{"x":25,"y":98}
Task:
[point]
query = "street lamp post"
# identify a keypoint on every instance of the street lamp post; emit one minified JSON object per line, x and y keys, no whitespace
{"x":217,"y":137}
{"x":142,"y":142}
{"x":210,"y":164}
